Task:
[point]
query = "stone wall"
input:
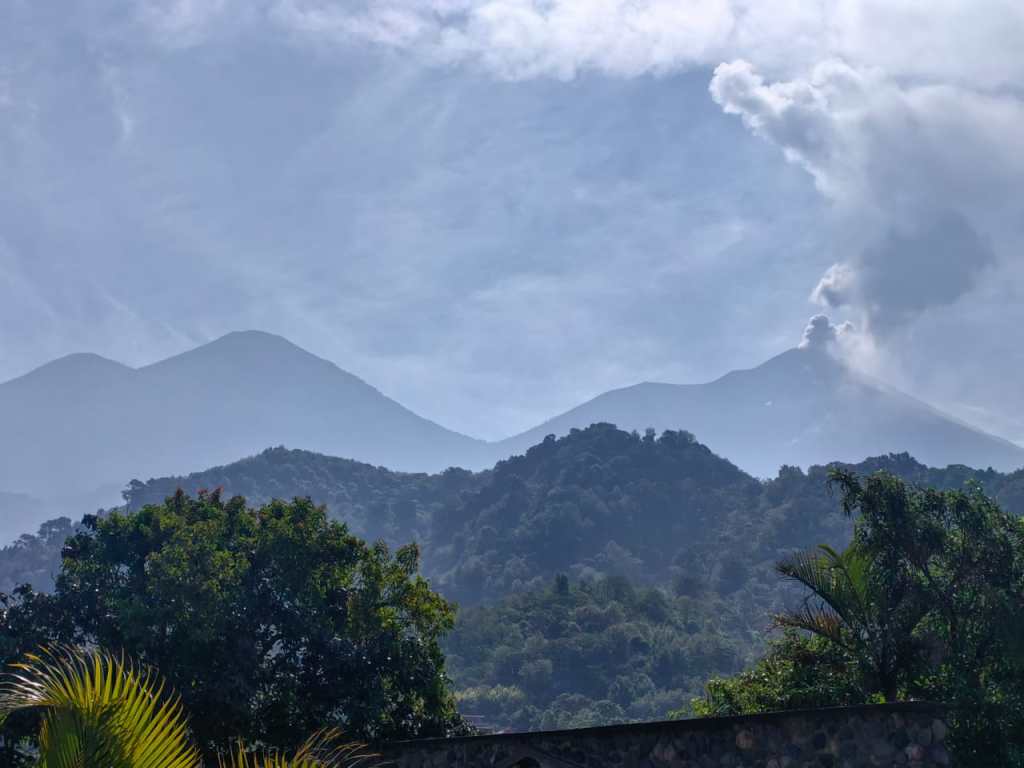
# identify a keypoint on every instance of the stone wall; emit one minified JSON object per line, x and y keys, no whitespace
{"x":906,"y":735}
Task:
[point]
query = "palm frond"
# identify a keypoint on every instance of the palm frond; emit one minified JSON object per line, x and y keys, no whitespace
{"x":839,"y":586}
{"x":99,"y":710}
{"x":322,"y":750}
{"x":817,"y":619}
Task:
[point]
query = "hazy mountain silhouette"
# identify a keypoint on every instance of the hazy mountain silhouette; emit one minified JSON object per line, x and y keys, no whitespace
{"x":801,"y":407}
{"x":76,"y":430}
{"x":14,"y":509}
{"x":82,"y":422}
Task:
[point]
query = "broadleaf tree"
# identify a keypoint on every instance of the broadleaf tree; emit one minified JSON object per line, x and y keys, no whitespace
{"x":272,"y":623}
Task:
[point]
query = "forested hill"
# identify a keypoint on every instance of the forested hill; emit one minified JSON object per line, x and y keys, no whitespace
{"x":597,"y":501}
{"x":601,"y":576}
{"x":661,"y":509}
{"x":657,"y":509}
{"x":375,"y":502}
{"x":600,"y":500}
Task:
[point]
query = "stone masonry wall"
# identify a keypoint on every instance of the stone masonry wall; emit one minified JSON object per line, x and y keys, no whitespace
{"x":905,"y":735}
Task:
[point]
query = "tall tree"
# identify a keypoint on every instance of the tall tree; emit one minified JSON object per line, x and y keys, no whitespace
{"x":271,"y":622}
{"x":853,"y":606}
{"x":925,"y":604}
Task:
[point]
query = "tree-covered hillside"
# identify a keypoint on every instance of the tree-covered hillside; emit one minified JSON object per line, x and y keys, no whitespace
{"x":375,"y":502}
{"x":574,"y":655}
{"x":35,"y":558}
{"x":657,"y":509}
{"x":686,"y":528}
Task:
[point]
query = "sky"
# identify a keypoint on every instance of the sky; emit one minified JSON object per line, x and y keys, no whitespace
{"x":494,"y":209}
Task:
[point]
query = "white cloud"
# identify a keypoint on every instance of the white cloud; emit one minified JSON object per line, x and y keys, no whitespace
{"x":519,"y":39}
{"x":873,"y":143}
{"x":969,"y":44}
{"x":254,"y":148}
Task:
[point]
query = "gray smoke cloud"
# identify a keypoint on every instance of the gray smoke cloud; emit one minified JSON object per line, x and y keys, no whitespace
{"x":822,"y":333}
{"x":908,"y":272}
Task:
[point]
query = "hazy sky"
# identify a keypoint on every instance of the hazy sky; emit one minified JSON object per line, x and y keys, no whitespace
{"x":492,"y":209}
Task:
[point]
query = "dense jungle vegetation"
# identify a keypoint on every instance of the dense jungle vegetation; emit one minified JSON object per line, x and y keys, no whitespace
{"x":604,"y":576}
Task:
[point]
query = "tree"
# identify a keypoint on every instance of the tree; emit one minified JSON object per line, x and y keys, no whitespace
{"x":797,"y":672}
{"x":846,"y":607}
{"x":961,"y":558}
{"x":271,"y":622}
{"x":34,"y":559}
{"x":925,"y":604}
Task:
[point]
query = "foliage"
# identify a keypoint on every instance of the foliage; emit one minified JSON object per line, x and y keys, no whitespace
{"x":101,"y":710}
{"x":98,"y":710}
{"x":960,"y":559}
{"x":847,"y":607}
{"x":321,"y":750}
{"x":797,"y":672}
{"x":935,"y":615}
{"x":271,"y":622}
{"x":374,"y":502}
{"x":662,"y":511}
{"x":35,"y":558}
{"x":590,"y":653}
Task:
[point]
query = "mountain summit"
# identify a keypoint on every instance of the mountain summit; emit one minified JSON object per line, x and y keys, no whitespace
{"x":801,"y":407}
{"x":76,"y":430}
{"x":82,"y":422}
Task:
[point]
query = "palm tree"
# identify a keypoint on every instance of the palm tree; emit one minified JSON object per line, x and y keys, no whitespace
{"x":846,"y":608}
{"x":101,"y":710}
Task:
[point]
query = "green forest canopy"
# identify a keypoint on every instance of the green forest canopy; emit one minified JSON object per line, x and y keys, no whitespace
{"x":271,"y":622}
{"x":661,"y":513}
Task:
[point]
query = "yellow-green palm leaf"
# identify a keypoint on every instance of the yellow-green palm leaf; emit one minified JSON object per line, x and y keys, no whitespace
{"x":323,"y":750}
{"x":99,"y":711}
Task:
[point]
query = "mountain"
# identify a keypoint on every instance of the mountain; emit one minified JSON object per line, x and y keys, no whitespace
{"x":800,"y":408}
{"x":376,"y":503}
{"x":84,"y":423}
{"x":77,"y":429}
{"x":15,"y":508}
{"x":599,"y":500}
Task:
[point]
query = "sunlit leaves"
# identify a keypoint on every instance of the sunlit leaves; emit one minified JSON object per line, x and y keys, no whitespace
{"x":99,"y":710}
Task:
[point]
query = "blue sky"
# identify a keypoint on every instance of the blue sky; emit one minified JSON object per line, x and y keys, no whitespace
{"x":493,"y":209}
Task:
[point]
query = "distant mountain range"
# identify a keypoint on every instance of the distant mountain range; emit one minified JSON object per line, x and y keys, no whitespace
{"x":77,"y":429}
{"x":82,"y":422}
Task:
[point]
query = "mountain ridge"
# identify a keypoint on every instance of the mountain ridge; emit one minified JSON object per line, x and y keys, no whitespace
{"x":103,"y":423}
{"x":799,"y":407}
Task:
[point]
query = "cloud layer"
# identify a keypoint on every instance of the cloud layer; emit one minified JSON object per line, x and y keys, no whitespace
{"x":488,"y":252}
{"x":479,"y":203}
